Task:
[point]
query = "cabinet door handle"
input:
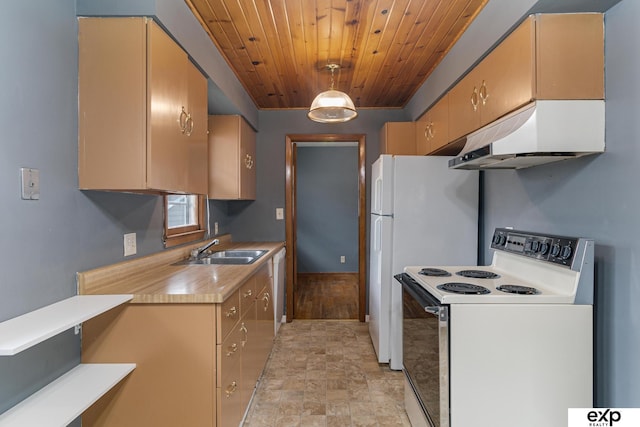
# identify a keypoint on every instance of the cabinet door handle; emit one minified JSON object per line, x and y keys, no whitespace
{"x":232,"y":311}
{"x":474,"y":99}
{"x":426,"y":131}
{"x":188,"y":128}
{"x":232,"y":349}
{"x":182,"y":120}
{"x":483,"y":93}
{"x":248,"y":161}
{"x":231,"y":388}
{"x":430,"y":129}
{"x":266,"y":299}
{"x":248,"y":293}
{"x":244,"y":330}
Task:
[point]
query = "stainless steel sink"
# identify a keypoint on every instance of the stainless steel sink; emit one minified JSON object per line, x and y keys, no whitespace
{"x":238,"y":253}
{"x":229,"y":257}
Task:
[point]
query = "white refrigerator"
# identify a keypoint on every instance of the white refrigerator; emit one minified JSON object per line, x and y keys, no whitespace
{"x":422,"y":213}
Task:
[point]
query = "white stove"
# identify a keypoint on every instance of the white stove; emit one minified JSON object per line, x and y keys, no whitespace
{"x":527,"y":268}
{"x":501,"y":345}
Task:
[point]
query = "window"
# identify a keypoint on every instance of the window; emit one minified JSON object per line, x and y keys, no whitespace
{"x":184,"y":219}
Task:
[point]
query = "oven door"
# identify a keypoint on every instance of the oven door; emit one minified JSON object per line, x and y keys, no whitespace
{"x":425,"y":338}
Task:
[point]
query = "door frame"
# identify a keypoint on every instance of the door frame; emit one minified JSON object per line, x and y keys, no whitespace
{"x":291,"y":221}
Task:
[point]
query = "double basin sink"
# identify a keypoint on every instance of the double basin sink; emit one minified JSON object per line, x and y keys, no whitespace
{"x":229,"y":257}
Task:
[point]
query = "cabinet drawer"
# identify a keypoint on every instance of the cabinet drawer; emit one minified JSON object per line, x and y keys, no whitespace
{"x":247,"y":294}
{"x":229,"y":396}
{"x":229,"y":354}
{"x":228,"y":315}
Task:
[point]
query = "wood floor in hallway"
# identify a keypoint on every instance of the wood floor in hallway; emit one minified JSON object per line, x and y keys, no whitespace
{"x":326,"y":296}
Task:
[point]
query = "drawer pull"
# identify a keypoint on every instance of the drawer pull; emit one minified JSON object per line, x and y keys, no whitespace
{"x":232,"y":349}
{"x":483,"y":93}
{"x":474,"y":99}
{"x":244,"y":330}
{"x":232,"y":311}
{"x":182,"y":120}
{"x":266,"y":299}
{"x":248,"y":293}
{"x":231,"y":389}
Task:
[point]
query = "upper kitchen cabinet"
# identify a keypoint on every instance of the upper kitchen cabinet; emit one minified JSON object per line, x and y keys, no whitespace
{"x":549,"y":56}
{"x":432,"y":128}
{"x":398,"y":138}
{"x":232,"y":158}
{"x":142,"y":110}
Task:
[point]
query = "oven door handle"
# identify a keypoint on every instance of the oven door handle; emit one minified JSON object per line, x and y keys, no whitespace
{"x":424,"y":298}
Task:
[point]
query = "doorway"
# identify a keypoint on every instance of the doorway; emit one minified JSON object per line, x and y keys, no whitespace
{"x":291,"y":223}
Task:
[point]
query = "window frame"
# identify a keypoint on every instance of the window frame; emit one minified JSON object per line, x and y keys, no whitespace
{"x":190,"y":233}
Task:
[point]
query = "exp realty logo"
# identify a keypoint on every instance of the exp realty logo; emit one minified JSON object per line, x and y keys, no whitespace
{"x":604,"y":417}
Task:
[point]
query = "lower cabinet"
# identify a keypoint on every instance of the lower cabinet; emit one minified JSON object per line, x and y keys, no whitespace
{"x":197,"y":364}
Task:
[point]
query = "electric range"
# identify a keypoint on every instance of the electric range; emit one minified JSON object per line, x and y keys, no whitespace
{"x":506,"y":344}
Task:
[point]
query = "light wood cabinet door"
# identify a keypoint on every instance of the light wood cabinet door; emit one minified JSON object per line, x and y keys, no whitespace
{"x":230,"y":399}
{"x":198,"y":178}
{"x":398,"y":138}
{"x":464,"y":99}
{"x":505,"y":78}
{"x":175,"y":378}
{"x":137,"y":91}
{"x":432,"y":128}
{"x":232,"y":158}
{"x":167,"y":155}
{"x":247,"y":162}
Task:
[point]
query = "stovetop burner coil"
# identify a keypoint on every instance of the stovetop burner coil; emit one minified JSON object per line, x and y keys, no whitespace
{"x":478,"y":274}
{"x":436,"y":272}
{"x":463,"y":288}
{"x":518,"y":289}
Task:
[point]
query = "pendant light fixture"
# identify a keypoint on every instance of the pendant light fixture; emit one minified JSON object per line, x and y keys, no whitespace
{"x":332,"y":106}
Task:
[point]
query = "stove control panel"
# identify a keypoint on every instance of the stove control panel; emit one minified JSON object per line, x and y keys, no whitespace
{"x":556,"y":249}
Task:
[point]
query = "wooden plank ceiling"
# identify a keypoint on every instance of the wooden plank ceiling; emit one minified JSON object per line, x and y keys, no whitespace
{"x":279,"y":49}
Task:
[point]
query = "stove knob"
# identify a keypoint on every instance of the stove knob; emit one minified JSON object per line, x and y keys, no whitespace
{"x":555,"y":249}
{"x":544,"y":248}
{"x":566,"y":252}
{"x":535,"y":246}
{"x":496,"y":239}
{"x":503,"y":240}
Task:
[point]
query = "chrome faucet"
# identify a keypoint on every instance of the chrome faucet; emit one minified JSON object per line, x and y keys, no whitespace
{"x":196,"y":253}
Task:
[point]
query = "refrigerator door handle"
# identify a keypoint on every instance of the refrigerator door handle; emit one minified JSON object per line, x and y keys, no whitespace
{"x":377,"y":198}
{"x":377,"y":233}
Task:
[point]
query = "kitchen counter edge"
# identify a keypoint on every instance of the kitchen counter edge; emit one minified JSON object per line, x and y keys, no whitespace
{"x":154,"y":279}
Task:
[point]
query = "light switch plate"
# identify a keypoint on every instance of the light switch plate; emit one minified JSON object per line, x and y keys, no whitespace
{"x":279,"y":213}
{"x":30,"y":183}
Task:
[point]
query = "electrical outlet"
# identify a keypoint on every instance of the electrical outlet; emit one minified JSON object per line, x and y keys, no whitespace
{"x":343,"y":259}
{"x":279,"y":213}
{"x":215,"y":228}
{"x":129,"y":244}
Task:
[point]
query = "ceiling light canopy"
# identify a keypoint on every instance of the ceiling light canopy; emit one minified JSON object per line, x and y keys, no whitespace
{"x":332,"y":106}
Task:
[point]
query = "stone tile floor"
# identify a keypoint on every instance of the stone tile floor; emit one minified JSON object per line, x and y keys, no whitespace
{"x":325,"y":373}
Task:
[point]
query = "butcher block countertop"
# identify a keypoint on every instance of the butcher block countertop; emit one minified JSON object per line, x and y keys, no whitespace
{"x":153,"y":278}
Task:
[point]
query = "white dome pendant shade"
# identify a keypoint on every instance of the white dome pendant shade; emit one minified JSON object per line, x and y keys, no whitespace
{"x":332,"y":106}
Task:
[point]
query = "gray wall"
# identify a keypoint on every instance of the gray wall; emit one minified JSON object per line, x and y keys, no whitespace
{"x":255,"y":221}
{"x":327,"y":209}
{"x":595,"y":197}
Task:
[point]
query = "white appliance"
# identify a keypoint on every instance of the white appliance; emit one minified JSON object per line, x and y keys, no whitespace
{"x":421,"y":211}
{"x":510,"y":344}
{"x":279,"y":270}
{"x":538,"y":133}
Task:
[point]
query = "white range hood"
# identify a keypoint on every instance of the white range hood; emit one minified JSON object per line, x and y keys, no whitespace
{"x":541,"y":132}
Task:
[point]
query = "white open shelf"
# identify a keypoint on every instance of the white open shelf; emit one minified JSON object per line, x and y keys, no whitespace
{"x":25,"y":331}
{"x":66,"y":398}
